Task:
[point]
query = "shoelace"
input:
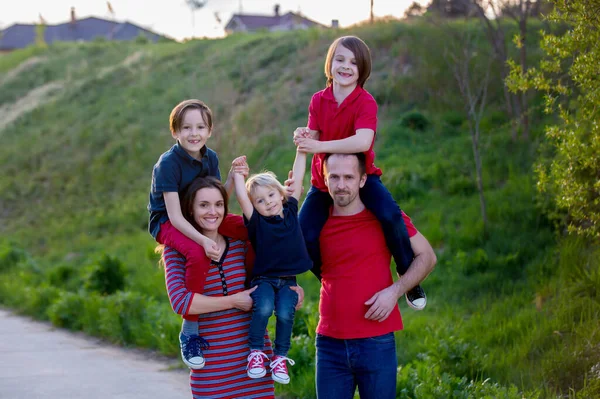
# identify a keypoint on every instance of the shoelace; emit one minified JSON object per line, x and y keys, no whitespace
{"x":254,"y":358}
{"x":416,"y":292}
{"x":278,"y":365}
{"x":196,"y":344}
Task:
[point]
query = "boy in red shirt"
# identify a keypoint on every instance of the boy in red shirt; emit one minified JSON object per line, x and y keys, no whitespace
{"x":343,"y":119}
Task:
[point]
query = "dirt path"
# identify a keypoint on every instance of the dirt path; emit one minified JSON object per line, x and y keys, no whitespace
{"x":40,"y":361}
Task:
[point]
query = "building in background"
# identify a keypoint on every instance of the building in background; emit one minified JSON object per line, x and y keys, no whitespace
{"x":76,"y":30}
{"x":275,"y":22}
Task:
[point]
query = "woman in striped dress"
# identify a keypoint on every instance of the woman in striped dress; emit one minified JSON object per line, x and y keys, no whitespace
{"x":223,"y":304}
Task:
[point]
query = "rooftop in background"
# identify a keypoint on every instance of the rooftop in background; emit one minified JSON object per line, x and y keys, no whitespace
{"x":22,"y":35}
{"x":275,"y":22}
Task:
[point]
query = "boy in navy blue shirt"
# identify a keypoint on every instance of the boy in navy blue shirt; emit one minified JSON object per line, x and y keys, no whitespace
{"x":272,"y":221}
{"x":191,"y":125}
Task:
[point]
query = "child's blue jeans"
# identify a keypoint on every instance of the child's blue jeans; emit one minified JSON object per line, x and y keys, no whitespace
{"x":378,"y":200}
{"x":273,"y":294}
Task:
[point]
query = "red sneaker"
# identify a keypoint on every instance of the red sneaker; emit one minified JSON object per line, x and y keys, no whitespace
{"x":279,"y":370}
{"x":256,"y":364}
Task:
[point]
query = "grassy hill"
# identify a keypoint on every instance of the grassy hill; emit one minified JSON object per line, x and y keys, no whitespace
{"x":512,"y":310}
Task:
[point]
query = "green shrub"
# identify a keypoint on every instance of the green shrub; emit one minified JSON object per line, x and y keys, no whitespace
{"x":471,"y":262}
{"x":426,"y":381}
{"x":64,"y":276}
{"x":10,"y":256}
{"x":414,"y":120}
{"x":66,"y":311}
{"x":105,"y":277}
{"x":37,"y":300}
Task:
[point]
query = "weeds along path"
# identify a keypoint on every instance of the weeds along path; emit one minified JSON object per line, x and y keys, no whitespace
{"x":40,"y":361}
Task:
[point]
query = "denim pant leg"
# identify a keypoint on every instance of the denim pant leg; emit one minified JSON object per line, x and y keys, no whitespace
{"x":375,"y":365}
{"x":285,"y":309}
{"x":312,"y":217}
{"x":379,"y":200}
{"x":262,"y":309}
{"x":334,"y":377}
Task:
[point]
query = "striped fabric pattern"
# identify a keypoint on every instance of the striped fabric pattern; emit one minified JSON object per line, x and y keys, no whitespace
{"x":224,"y":375}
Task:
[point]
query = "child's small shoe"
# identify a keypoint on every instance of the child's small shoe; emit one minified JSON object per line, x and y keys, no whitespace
{"x":416,"y":298}
{"x":191,"y":350}
{"x":256,"y":364}
{"x":279,"y":370}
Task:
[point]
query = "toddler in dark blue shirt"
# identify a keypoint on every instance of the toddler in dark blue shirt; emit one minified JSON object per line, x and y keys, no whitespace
{"x":272,"y":221}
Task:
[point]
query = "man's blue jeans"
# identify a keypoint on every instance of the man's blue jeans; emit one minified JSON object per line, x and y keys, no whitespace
{"x":377,"y":199}
{"x":344,"y":364}
{"x":273,"y":294}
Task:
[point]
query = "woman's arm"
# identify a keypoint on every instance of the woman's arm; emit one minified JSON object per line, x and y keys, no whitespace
{"x":186,"y":302}
{"x":360,"y":142}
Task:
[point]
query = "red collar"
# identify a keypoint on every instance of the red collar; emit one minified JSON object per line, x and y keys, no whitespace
{"x":328,"y":94}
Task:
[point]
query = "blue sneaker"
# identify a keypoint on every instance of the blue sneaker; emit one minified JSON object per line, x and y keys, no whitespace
{"x":191,"y":350}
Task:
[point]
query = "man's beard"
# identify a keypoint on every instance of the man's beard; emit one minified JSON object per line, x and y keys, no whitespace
{"x":343,"y":200}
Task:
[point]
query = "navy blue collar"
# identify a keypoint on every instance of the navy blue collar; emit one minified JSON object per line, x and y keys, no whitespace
{"x":178,"y":149}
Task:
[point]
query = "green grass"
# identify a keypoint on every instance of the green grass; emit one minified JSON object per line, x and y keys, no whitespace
{"x":512,"y":310}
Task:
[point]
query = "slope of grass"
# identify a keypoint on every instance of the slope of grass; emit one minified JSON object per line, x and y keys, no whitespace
{"x":512,"y":310}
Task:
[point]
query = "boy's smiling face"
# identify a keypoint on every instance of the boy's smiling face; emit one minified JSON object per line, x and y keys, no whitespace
{"x":343,"y":67}
{"x":194,"y":132}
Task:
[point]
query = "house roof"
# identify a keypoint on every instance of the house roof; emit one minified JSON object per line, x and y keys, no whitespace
{"x":86,"y":29}
{"x":253,"y":22}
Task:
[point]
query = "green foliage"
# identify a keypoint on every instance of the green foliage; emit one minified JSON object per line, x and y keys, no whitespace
{"x":414,"y":120}
{"x":75,"y":187}
{"x":424,"y":381}
{"x":142,"y":39}
{"x":40,"y":40}
{"x":106,"y":276}
{"x":568,"y":77}
{"x":10,"y":256}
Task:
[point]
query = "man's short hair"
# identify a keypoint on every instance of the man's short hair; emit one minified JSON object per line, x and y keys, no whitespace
{"x":362,"y":161}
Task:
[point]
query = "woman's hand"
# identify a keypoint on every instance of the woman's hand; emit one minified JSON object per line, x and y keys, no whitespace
{"x":243,"y":300}
{"x":300,"y":291}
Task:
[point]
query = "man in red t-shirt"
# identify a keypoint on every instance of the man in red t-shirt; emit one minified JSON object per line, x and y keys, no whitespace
{"x":359,"y":299}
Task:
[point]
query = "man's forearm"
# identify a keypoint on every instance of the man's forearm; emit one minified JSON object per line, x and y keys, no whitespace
{"x":420,"y":267}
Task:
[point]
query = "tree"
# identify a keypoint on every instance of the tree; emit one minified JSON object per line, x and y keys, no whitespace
{"x":471,"y":70}
{"x":489,"y":15}
{"x":194,"y":6}
{"x":492,"y":13}
{"x":414,"y":10}
{"x":520,"y":11}
{"x":451,"y":8}
{"x":569,"y":78}
{"x":40,"y":32}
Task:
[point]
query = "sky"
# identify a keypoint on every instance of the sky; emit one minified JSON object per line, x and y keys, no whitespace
{"x":174,"y":18}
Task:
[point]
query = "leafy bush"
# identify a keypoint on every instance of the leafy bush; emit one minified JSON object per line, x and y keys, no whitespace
{"x":64,"y":276}
{"x":105,"y":277}
{"x":10,"y":256}
{"x":66,"y":311}
{"x":414,"y":120}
